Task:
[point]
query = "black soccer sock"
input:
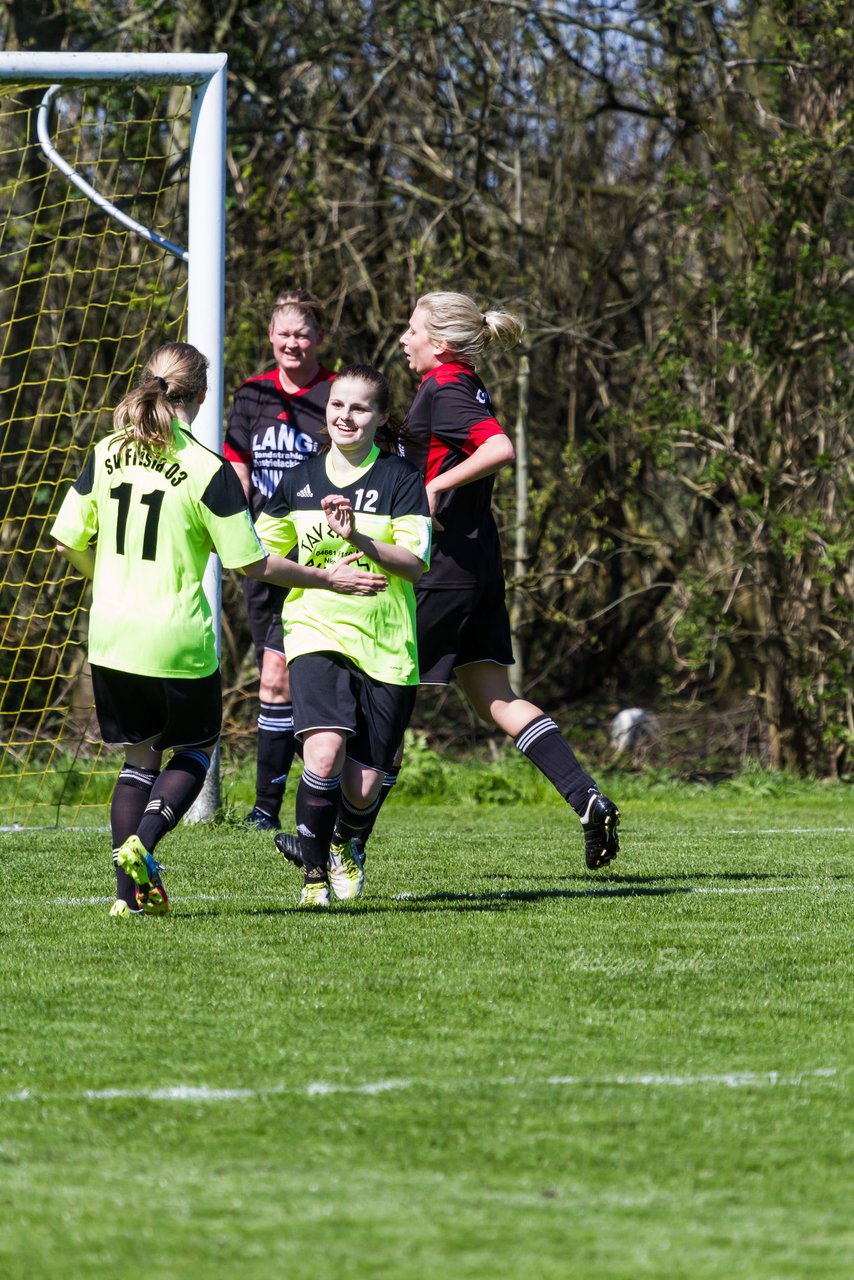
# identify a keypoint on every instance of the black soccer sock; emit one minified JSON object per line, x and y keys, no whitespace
{"x":316,"y":806}
{"x":172,"y":795}
{"x":275,"y":755}
{"x":388,"y":783}
{"x":130,"y":796}
{"x":542,"y":742}
{"x":354,"y":822}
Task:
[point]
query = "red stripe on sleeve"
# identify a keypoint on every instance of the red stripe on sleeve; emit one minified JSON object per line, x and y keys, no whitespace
{"x":480,"y":432}
{"x":232,"y":455}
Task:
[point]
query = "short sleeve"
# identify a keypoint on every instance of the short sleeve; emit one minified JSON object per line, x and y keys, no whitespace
{"x":411,"y":526}
{"x":277,"y":533}
{"x":462,"y":418}
{"x":415,"y":533}
{"x":76,"y":524}
{"x":410,"y":494}
{"x":228,"y":519}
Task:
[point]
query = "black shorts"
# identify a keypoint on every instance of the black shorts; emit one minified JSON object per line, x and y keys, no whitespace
{"x":175,"y":713}
{"x":264,"y":608}
{"x":330,"y":692}
{"x":459,"y":625}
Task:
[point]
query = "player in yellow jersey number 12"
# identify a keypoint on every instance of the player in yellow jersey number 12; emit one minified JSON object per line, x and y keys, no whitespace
{"x":353,"y":662}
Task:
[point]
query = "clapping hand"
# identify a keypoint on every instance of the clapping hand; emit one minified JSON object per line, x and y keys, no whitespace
{"x":339,"y":515}
{"x":347,"y":580}
{"x":343,"y":575}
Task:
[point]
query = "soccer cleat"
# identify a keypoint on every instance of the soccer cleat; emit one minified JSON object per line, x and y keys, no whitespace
{"x":144,"y":870}
{"x":121,"y":910}
{"x":601,"y":840}
{"x":346,"y":873}
{"x":154,"y":900}
{"x":261,"y":821}
{"x":288,"y":847}
{"x":315,"y":894}
{"x":133,"y":857}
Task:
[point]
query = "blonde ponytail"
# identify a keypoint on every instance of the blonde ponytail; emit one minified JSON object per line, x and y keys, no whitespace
{"x":455,"y":321}
{"x":176,"y":374}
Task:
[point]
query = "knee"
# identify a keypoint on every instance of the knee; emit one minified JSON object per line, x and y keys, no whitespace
{"x":488,"y":705}
{"x":361,"y":788}
{"x":275,"y":680}
{"x":322,"y":758}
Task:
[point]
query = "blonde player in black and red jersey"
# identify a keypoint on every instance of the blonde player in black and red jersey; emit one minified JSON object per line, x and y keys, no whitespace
{"x":277,"y":420}
{"x":463,"y":626}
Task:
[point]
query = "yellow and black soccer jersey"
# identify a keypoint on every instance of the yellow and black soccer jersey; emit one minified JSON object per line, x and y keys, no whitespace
{"x":390,"y":505}
{"x":156,"y":518}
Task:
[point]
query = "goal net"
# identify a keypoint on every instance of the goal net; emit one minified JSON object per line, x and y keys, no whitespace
{"x":96,"y":206}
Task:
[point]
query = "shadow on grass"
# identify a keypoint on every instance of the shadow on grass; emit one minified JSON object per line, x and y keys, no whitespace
{"x":496,"y":899}
{"x":501,"y":899}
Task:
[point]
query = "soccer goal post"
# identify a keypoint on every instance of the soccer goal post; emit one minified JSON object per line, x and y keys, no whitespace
{"x":112,"y":241}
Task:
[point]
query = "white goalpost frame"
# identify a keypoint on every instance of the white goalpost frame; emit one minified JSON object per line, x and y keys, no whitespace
{"x":205,"y":75}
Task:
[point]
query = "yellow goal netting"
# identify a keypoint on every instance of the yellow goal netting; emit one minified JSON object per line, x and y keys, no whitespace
{"x":83,"y":299}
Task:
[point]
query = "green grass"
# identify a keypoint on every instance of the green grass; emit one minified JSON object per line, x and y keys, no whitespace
{"x":493,"y":1065}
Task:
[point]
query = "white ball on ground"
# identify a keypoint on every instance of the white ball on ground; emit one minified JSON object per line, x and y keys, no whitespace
{"x":632,"y":728}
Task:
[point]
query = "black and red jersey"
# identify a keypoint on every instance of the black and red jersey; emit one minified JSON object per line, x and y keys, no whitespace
{"x":450,"y":417}
{"x":271,"y":430}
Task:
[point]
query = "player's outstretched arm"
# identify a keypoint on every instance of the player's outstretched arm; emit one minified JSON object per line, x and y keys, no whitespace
{"x":342,"y":576}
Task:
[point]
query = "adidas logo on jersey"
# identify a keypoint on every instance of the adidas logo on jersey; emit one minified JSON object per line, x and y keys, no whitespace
{"x":305,"y":492}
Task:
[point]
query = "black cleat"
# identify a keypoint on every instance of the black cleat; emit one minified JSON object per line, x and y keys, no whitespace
{"x":601,"y":840}
{"x":261,"y":821}
{"x":288,"y":847}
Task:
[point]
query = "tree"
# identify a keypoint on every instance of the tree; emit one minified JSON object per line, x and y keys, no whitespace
{"x":663,"y":191}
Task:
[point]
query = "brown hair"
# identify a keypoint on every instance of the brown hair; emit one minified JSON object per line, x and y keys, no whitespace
{"x":390,"y":434}
{"x":309,"y":306}
{"x":175,"y":374}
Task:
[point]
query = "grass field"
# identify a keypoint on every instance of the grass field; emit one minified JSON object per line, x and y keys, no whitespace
{"x":495,"y":1064}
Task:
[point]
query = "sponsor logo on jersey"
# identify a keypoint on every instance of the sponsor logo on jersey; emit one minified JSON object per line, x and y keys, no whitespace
{"x":281,"y":440}
{"x":482,"y":397}
{"x":305,"y":492}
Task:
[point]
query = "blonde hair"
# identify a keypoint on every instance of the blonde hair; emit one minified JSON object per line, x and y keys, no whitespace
{"x":309,"y":306}
{"x":175,"y":374}
{"x":456,"y":322}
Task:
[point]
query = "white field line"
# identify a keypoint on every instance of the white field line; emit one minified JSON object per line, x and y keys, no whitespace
{"x":322,"y":1088}
{"x":783,"y":831}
